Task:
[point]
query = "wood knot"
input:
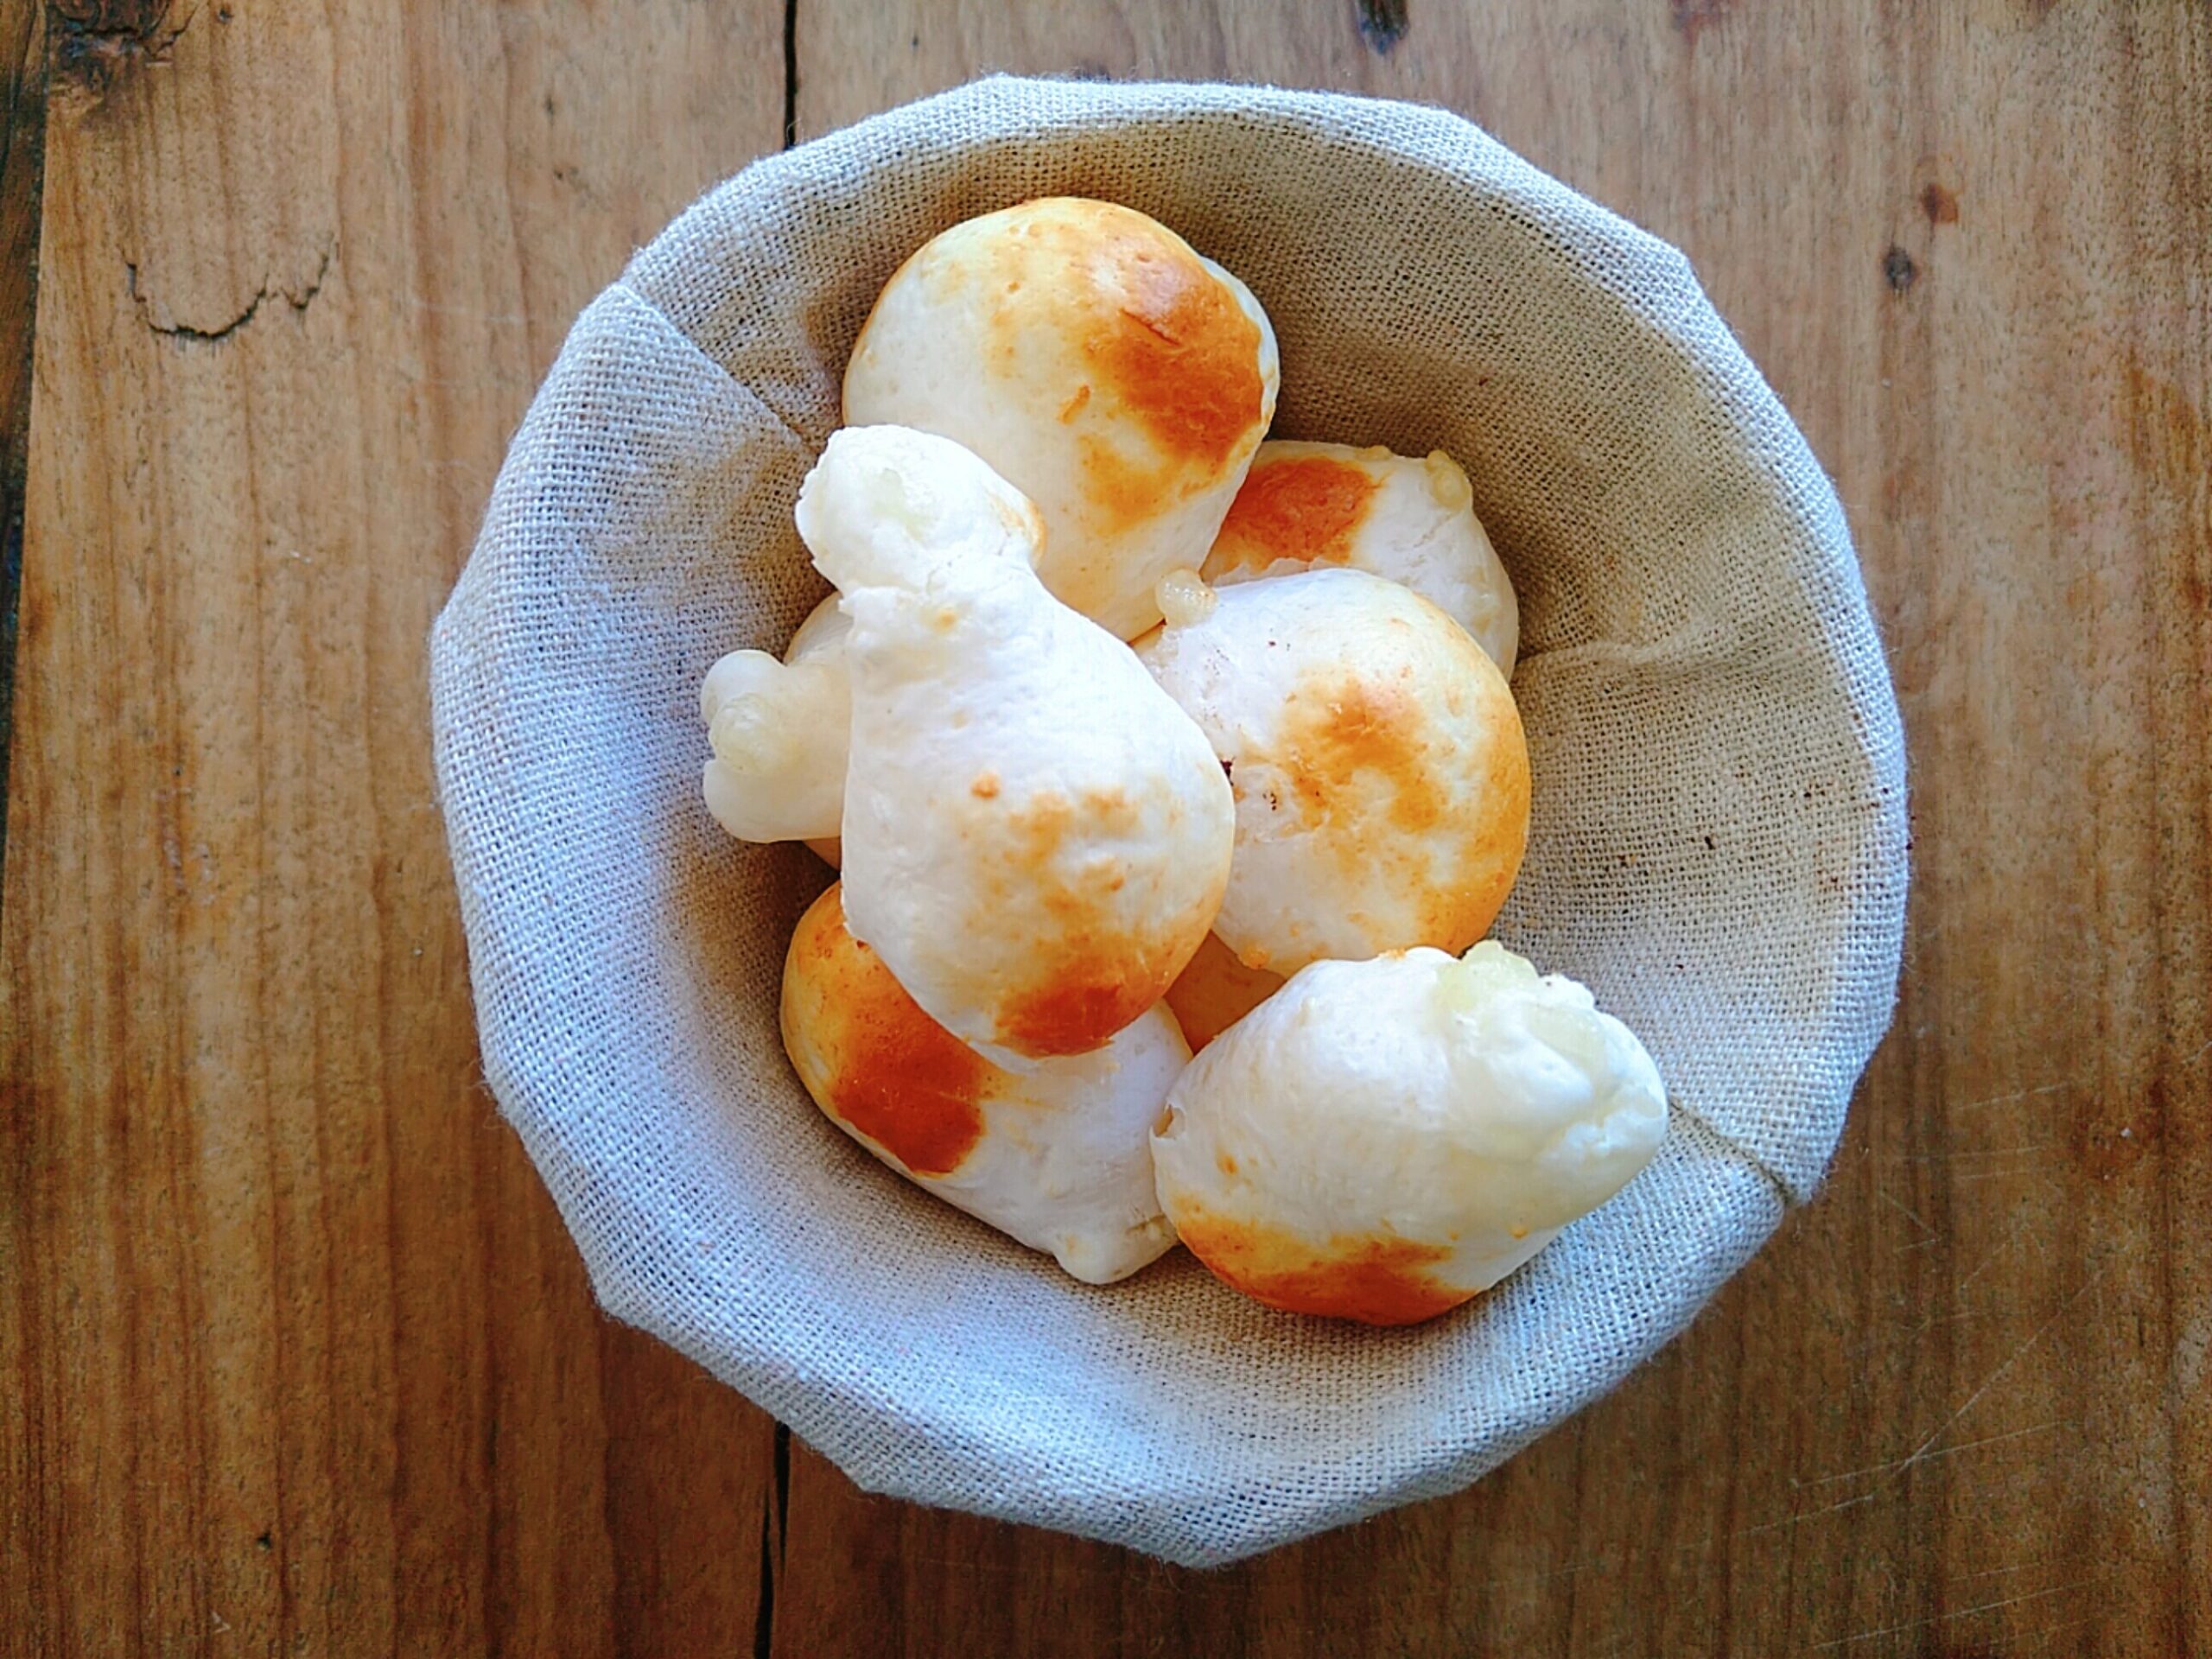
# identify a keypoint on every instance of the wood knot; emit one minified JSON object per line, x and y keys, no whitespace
{"x":1382,"y":24}
{"x":96,"y":42}
{"x":1692,"y":17}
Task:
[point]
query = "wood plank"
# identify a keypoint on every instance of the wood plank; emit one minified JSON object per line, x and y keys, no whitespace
{"x":1961,"y":1404}
{"x":22,"y":143}
{"x":301,"y":1357}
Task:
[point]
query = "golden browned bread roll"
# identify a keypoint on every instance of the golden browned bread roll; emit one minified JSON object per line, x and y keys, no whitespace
{"x":1056,"y":1158}
{"x":1100,"y":364}
{"x":1215,"y":991}
{"x":1377,"y":757}
{"x":1412,"y":520}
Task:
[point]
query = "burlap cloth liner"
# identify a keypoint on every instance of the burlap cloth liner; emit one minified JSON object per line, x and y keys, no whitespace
{"x":1718,"y":845}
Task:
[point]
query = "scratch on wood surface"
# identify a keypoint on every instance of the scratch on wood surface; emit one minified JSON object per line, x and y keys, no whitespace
{"x":2046,"y":1634}
{"x":1956,"y":1316}
{"x":2014,"y":1566}
{"x":2019,"y":1231}
{"x":1531,"y":1581}
{"x":1948,"y":1452}
{"x":1928,"y":1450}
{"x":1920,"y":1453}
{"x":1978,"y":1154}
{"x":2006,"y":1171}
{"x":2015,"y":1094}
{"x":1798,"y":1518}
{"x":1988,"y":1163}
{"x":1905,"y":1209}
{"x":476,"y":314}
{"x":1954,"y":1615}
{"x":2033,"y":1149}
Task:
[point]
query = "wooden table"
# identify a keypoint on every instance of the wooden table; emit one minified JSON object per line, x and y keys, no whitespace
{"x":296,"y":1355}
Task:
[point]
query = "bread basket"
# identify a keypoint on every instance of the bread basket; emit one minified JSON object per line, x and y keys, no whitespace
{"x":1718,"y":843}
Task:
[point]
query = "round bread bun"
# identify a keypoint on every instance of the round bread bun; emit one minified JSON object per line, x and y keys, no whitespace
{"x":1376,"y":758}
{"x":1379,"y":1141}
{"x":1036,"y":838}
{"x":1410,"y":519}
{"x":1215,"y":991}
{"x":1057,"y":1158}
{"x":1113,"y":375}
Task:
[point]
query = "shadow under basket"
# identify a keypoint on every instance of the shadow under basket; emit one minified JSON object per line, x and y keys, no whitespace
{"x":1717,"y":850}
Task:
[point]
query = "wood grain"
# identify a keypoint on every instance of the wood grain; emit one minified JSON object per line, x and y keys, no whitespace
{"x":301,"y":1358}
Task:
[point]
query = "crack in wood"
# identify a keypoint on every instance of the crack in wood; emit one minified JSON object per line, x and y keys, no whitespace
{"x":775,"y":1533}
{"x":790,"y":73}
{"x":299,"y":301}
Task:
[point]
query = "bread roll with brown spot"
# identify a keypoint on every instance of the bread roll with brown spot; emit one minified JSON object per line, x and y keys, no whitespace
{"x":1217,"y":990}
{"x":1412,"y":520}
{"x":1059,"y":1159}
{"x":1379,"y":1141}
{"x":1377,"y":760}
{"x":1098,"y":364}
{"x":1036,"y":838}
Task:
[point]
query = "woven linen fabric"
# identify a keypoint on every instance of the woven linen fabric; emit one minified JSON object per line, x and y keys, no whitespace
{"x":1718,"y":845}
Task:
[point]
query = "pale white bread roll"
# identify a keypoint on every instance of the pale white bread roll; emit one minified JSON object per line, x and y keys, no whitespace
{"x":1057,"y":1158}
{"x":1379,"y":1141}
{"x":1377,"y":760}
{"x":1411,"y":519}
{"x":1035,"y":838}
{"x":1101,"y":366}
{"x":775,"y":731}
{"x":820,"y":639}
